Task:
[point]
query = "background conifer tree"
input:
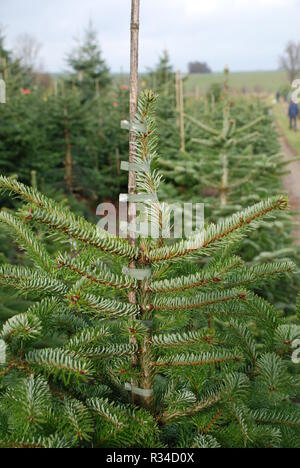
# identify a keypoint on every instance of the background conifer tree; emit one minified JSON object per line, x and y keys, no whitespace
{"x":90,"y":72}
{"x":15,"y":75}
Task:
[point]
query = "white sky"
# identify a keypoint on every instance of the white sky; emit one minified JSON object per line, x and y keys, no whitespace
{"x":245,"y":34}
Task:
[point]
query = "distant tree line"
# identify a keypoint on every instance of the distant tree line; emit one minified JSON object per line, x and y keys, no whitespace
{"x":290,"y":61}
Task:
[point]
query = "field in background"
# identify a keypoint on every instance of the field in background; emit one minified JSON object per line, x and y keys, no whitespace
{"x":268,"y":81}
{"x":249,"y":82}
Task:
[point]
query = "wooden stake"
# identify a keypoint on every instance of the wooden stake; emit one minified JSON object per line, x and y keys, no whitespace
{"x":134,"y":83}
{"x":213,"y":103}
{"x":181,"y":102}
{"x":134,"y":65}
{"x":177,"y":100}
{"x":33,"y":180}
{"x":224,"y":186}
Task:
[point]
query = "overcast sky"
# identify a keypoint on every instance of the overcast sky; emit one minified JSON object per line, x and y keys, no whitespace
{"x":245,"y":34}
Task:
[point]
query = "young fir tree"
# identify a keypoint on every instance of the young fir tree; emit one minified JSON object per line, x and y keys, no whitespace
{"x":228,"y":171}
{"x":208,"y":358}
{"x":91,"y":74}
{"x":223,"y":140}
{"x":11,"y":71}
{"x":69,"y":156}
{"x":107,"y":112}
{"x":162,"y":79}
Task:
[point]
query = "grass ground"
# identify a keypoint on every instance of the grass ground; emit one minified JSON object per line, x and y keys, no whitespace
{"x":269,"y":81}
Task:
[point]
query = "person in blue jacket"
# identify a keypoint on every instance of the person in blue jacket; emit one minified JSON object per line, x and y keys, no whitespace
{"x":293,"y":115}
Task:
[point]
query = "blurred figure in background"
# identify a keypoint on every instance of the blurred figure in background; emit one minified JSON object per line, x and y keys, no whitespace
{"x":293,"y":115}
{"x":278,"y":97}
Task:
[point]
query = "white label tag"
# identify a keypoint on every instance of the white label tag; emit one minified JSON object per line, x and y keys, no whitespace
{"x":2,"y":352}
{"x":135,"y":273}
{"x":135,"y":167}
{"x":2,"y":92}
{"x":139,"y":391}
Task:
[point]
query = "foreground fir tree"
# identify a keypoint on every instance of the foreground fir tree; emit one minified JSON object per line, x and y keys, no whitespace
{"x":198,"y":361}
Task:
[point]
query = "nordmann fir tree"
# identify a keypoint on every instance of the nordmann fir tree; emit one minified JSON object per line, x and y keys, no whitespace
{"x":90,"y":72}
{"x":201,"y":378}
{"x":228,"y":137}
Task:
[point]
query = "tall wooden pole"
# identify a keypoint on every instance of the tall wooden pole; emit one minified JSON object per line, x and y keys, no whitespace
{"x":177,"y":100}
{"x":134,"y":84}
{"x":224,"y":184}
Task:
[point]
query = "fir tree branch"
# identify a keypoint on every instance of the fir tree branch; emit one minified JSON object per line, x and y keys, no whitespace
{"x":206,"y":442}
{"x":25,"y":327}
{"x":61,"y":363}
{"x":216,"y":233}
{"x":182,"y":283}
{"x":103,"y":278}
{"x":82,"y":231}
{"x":51,"y":442}
{"x":201,"y":125}
{"x":28,"y":241}
{"x":204,"y":359}
{"x":117,"y":350}
{"x":107,"y":307}
{"x":181,"y":339}
{"x":202,"y":405}
{"x":199,"y":301}
{"x":113,"y":413}
{"x":12,"y":275}
{"x":278,"y":417}
{"x":28,"y":194}
{"x":200,"y":141}
{"x":244,"y":337}
{"x":211,"y":277}
{"x":32,"y":281}
{"x":247,"y":276}
{"x":87,"y":338}
{"x":250,"y":125}
{"x":256,"y":274}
